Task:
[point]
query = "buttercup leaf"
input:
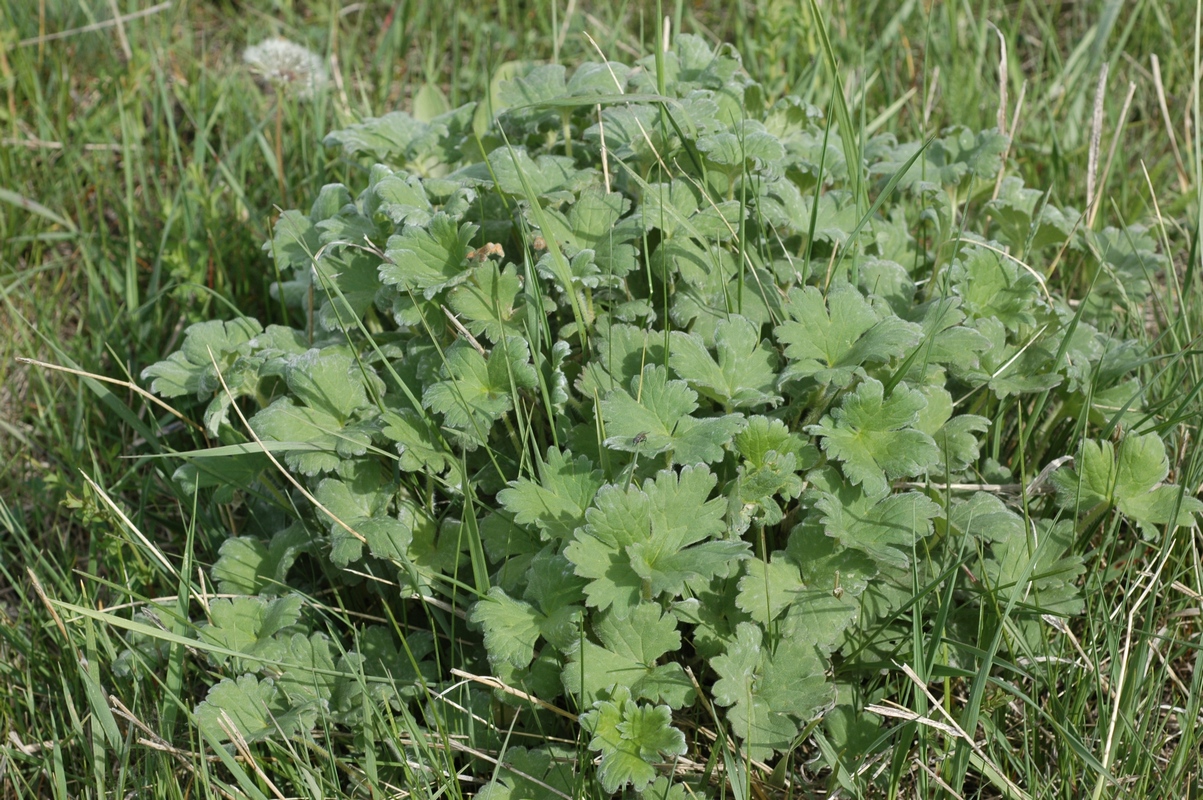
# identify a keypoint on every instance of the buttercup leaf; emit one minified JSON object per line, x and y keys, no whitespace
{"x":828,"y":338}
{"x":744,"y":373}
{"x":884,"y":529}
{"x":640,"y":542}
{"x":874,"y":438}
{"x":256,"y":709}
{"x":630,"y":737}
{"x":628,"y":655}
{"x":769,"y":692}
{"x":556,"y":503}
{"x":659,"y":420}
{"x":426,"y":260}
{"x":1131,"y":481}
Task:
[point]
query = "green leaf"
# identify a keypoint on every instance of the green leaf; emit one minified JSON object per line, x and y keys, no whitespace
{"x":767,"y":589}
{"x":597,"y":79}
{"x":630,"y":737}
{"x":556,"y":503}
{"x":885,"y":529}
{"x":773,"y":457}
{"x":541,"y":84}
{"x":489,"y":302}
{"x":247,"y":565}
{"x":945,"y":339}
{"x":389,"y":671}
{"x":380,"y":137}
{"x":349,"y":282}
{"x":1014,"y":209}
{"x":596,"y":222}
{"x":763,"y":436}
{"x":984,"y":517}
{"x":249,"y":625}
{"x":750,"y":143}
{"x":686,"y":218}
{"x":511,"y":627}
{"x":329,"y":380}
{"x":257,"y":709}
{"x":1010,"y":369}
{"x":520,"y":768}
{"x":642,"y":541}
{"x":295,"y":240}
{"x":622,"y":352}
{"x":555,"y":589}
{"x":835,"y":576}
{"x":745,"y":372}
{"x":309,"y":674}
{"x":769,"y":691}
{"x":828,"y":338}
{"x":429,"y":102}
{"x":785,"y":206}
{"x":510,"y":545}
{"x":1128,"y":260}
{"x":417,"y":442}
{"x":552,"y":177}
{"x":478,"y":391}
{"x":954,"y":436}
{"x":192,"y":370}
{"x":993,"y":286}
{"x":874,"y":436}
{"x":627,"y":657}
{"x":653,"y":417}
{"x":429,"y":259}
{"x":1131,"y":481}
{"x":332,"y":386}
{"x":1055,"y":569}
{"x":959,"y":155}
{"x":402,"y":198}
{"x":362,"y":504}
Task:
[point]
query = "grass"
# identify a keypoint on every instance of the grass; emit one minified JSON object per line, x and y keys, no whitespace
{"x":139,"y":172}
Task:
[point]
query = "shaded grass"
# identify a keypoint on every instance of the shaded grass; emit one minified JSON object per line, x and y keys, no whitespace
{"x":154,"y":188}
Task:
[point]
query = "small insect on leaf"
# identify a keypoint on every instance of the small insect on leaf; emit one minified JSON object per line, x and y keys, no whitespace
{"x":639,"y":438}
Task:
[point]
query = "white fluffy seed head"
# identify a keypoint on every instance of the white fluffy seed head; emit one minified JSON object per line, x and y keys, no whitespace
{"x":287,"y":66}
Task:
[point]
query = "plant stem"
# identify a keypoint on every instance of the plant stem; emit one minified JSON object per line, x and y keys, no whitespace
{"x":280,"y":151}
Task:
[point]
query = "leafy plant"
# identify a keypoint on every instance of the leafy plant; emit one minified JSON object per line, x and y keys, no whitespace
{"x":627,"y":373}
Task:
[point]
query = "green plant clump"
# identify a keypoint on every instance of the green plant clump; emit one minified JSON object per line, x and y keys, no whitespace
{"x":619,"y":389}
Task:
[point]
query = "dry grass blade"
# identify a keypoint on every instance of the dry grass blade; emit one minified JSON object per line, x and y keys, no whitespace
{"x":133,"y":387}
{"x":895,"y":711}
{"x":960,"y":733}
{"x":1001,"y":119}
{"x":230,"y":728}
{"x":41,"y":593}
{"x":494,"y":683}
{"x":1097,"y":201}
{"x":121,"y":515}
{"x":1183,"y":181}
{"x":96,"y":26}
{"x":1096,"y":136}
{"x":39,"y":144}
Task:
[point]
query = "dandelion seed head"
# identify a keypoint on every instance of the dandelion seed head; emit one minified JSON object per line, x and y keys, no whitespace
{"x":287,"y":66}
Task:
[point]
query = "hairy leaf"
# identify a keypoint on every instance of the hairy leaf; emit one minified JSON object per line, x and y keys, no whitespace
{"x":630,"y":737}
{"x":769,"y":691}
{"x":654,"y":417}
{"x":828,"y":338}
{"x":875,"y":437}
{"x":744,"y":373}
{"x":1131,"y":480}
